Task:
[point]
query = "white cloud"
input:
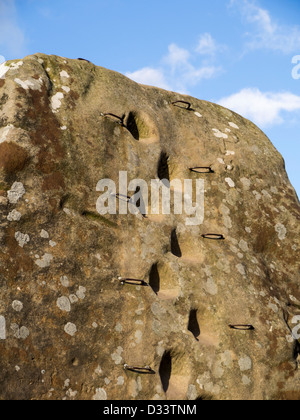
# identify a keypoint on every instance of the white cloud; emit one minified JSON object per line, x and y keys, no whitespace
{"x":267,"y":33}
{"x":177,"y":57}
{"x":264,"y":109}
{"x":206,"y":45}
{"x":178,"y":70}
{"x":149,"y":76}
{"x":11,"y":36}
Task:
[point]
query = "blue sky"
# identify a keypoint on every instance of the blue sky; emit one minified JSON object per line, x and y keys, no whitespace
{"x":234,"y":52}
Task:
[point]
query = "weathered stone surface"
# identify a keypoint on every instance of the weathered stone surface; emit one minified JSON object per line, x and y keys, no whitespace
{"x":67,"y":325}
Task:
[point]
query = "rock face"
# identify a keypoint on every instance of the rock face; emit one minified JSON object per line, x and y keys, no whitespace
{"x":67,"y":323}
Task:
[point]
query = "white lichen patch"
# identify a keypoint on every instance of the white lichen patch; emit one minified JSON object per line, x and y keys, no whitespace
{"x":120,"y":381}
{"x":116,"y":356}
{"x":211,"y":287}
{"x":257,"y":195}
{"x":233,"y":125}
{"x":266,"y":195}
{"x":230,"y":182}
{"x":138,"y":336}
{"x":119,"y":327}
{"x":71,"y":394}
{"x":98,"y":371}
{"x":20,"y":333}
{"x":22,"y":239}
{"x":226,"y":212}
{"x":245,"y":364}
{"x":44,"y":234}
{"x":274,"y":190}
{"x":63,"y":128}
{"x":246,"y":183}
{"x":160,"y":349}
{"x":219,"y":134}
{"x":73,"y":298}
{"x":56,"y":101}
{"x":4,"y":132}
{"x":34,"y":84}
{"x":65,"y":281}
{"x":70,"y":329}
{"x":4,"y":68}
{"x":241,"y":269}
{"x":66,"y":89}
{"x":45,"y":261}
{"x":16,"y":66}
{"x":224,"y":265}
{"x":281,"y":230}
{"x":192,"y":393}
{"x":246,"y":381}
{"x":2,"y":328}
{"x":81,"y":292}
{"x":243,"y":245}
{"x":14,"y":216}
{"x":100,"y":395}
{"x":64,"y":75}
{"x":52,"y":244}
{"x":273,"y":307}
{"x":64,"y":304}
{"x":16,"y":193}
{"x":17,"y":306}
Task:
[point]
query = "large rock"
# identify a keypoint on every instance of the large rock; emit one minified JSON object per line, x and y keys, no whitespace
{"x":67,"y":324}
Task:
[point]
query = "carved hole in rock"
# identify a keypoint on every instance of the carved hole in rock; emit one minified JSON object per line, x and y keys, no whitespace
{"x":165,"y":370}
{"x":175,"y":248}
{"x":296,"y":354}
{"x":63,"y":201}
{"x":175,"y":375}
{"x":163,"y":167}
{"x":205,"y":397}
{"x":138,"y":201}
{"x":138,"y":126}
{"x":132,"y":126}
{"x":163,"y":279}
{"x":154,"y":279}
{"x":193,"y":325}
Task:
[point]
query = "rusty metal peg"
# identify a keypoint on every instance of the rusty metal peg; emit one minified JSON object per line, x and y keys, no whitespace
{"x":120,"y":120}
{"x":202,"y":170}
{"x":242,"y":327}
{"x":132,"y":282}
{"x":141,"y":370}
{"x":122,"y":197}
{"x":214,"y":236}
{"x":188,"y":108}
{"x":83,"y":59}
